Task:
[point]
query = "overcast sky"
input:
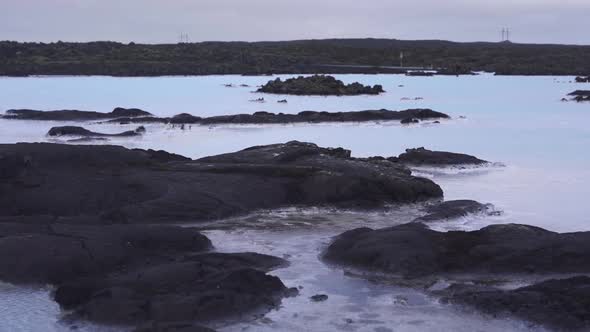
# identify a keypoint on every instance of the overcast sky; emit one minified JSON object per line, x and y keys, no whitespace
{"x":157,"y":21}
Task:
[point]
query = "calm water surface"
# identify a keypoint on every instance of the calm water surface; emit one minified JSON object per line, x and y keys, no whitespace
{"x":517,"y":121}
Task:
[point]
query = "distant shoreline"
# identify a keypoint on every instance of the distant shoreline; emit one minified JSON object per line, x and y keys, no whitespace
{"x":329,"y":56}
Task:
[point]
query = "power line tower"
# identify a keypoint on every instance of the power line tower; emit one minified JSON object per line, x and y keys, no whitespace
{"x":183,"y":38}
{"x":505,"y":34}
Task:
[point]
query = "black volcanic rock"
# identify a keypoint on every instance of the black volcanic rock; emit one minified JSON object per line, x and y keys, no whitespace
{"x":72,"y":115}
{"x":409,"y":121}
{"x":318,"y":85}
{"x":583,"y":79}
{"x":561,"y":304}
{"x":134,"y":274}
{"x":185,"y":118}
{"x":136,"y":186}
{"x":413,"y":250}
{"x":580,"y":95}
{"x":455,"y":209}
{"x":422,"y":156}
{"x":79,"y":131}
{"x":56,"y":253}
{"x":282,"y":118}
{"x":319,"y":117}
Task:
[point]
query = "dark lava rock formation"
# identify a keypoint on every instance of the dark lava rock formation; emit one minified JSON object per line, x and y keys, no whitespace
{"x":113,"y":184}
{"x":79,"y":131}
{"x":322,"y":85}
{"x":562,"y":304}
{"x":127,"y":116}
{"x":424,"y":157}
{"x":73,"y":115}
{"x":580,"y":95}
{"x":133,"y":274}
{"x":413,"y":250}
{"x":455,"y":209}
{"x":583,"y":79}
{"x":318,"y":117}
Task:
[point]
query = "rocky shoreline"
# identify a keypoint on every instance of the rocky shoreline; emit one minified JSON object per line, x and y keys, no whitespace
{"x":97,"y":223}
{"x":255,"y":118}
{"x":417,"y":254}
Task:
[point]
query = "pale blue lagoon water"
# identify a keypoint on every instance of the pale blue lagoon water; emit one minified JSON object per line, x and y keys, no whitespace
{"x":517,"y":121}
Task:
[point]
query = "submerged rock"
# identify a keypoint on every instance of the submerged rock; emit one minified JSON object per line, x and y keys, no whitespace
{"x":136,"y":186}
{"x":79,"y":131}
{"x":318,"y":85}
{"x":424,"y":157}
{"x":455,"y":209}
{"x":319,"y":298}
{"x":72,"y":115}
{"x":413,"y":250}
{"x":562,"y":305}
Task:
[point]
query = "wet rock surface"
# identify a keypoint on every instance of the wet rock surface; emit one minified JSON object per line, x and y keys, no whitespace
{"x":455,"y":209}
{"x":83,"y":132}
{"x":116,"y":185}
{"x":413,"y":250}
{"x":560,"y":304}
{"x":72,"y":115}
{"x":318,"y":85}
{"x":421,"y":156}
{"x":133,"y":274}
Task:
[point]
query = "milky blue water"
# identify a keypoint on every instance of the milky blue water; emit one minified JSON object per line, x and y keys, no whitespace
{"x":517,"y":121}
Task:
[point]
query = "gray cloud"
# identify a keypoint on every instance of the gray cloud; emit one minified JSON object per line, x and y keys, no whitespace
{"x":155,"y":21}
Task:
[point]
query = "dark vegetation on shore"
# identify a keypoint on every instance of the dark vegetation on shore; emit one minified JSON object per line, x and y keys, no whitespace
{"x":306,"y":56}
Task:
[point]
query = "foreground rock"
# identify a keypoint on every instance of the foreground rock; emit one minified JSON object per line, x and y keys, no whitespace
{"x":583,"y":79}
{"x":132,"y":274}
{"x":413,"y":250}
{"x":424,"y":157}
{"x":82,"y":132}
{"x":318,"y":85}
{"x":455,"y":209}
{"x":562,"y":305}
{"x":111,"y":184}
{"x":73,"y":115}
{"x":580,"y":95}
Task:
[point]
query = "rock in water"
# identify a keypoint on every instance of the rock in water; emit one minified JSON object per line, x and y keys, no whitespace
{"x":580,"y":95}
{"x":456,"y":209}
{"x":563,"y":305}
{"x":137,"y":186}
{"x":319,"y":298}
{"x":79,"y":131}
{"x":73,"y":115}
{"x":422,"y":156}
{"x":134,"y":274}
{"x":413,"y":250}
{"x":318,"y":85}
